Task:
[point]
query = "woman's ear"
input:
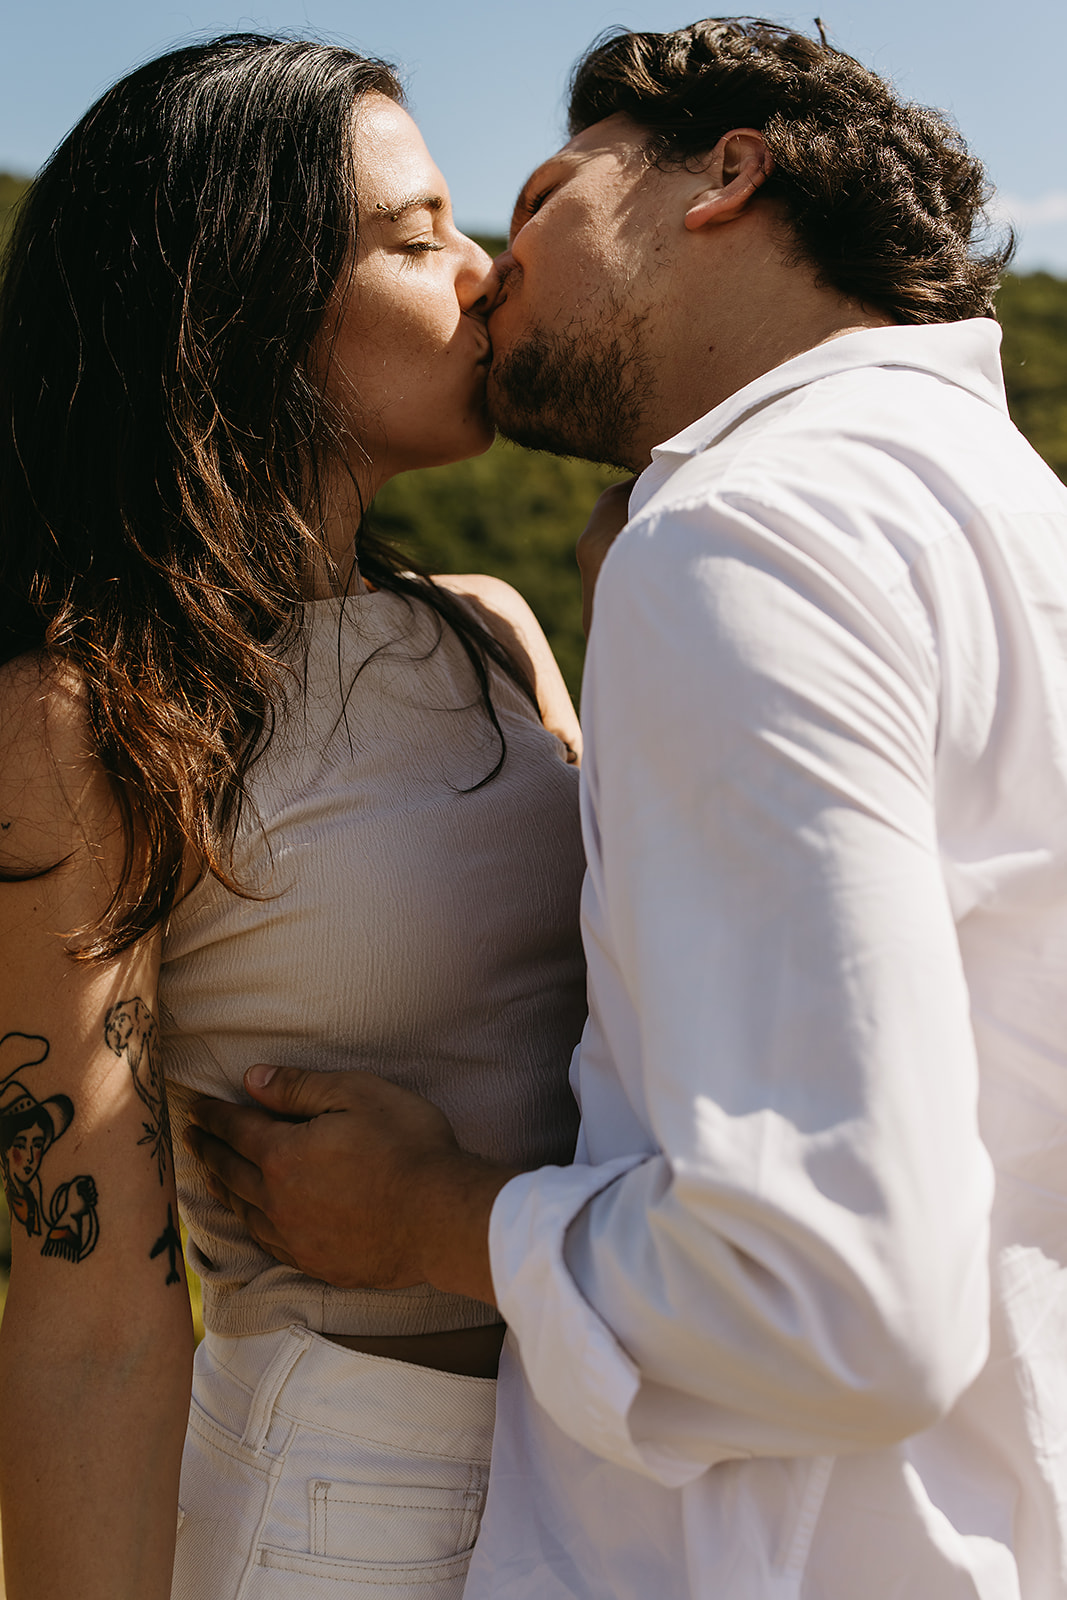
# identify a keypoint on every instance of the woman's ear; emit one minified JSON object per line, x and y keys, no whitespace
{"x":739,"y":163}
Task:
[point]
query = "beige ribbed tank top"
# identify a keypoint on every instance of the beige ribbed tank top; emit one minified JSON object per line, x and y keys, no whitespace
{"x":409,"y":926}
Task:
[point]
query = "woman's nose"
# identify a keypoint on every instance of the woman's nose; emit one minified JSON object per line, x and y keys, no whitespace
{"x":479,"y":283}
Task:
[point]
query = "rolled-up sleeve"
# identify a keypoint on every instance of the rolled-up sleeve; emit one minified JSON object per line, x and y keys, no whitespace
{"x":794,"y":1257}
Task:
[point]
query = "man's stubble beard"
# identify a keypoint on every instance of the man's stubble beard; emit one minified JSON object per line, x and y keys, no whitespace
{"x":584,"y":394}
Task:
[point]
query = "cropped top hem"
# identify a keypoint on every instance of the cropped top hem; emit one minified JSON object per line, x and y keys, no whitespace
{"x":360,"y":1313}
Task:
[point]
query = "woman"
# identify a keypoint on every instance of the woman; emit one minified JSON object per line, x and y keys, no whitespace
{"x":265,"y":795}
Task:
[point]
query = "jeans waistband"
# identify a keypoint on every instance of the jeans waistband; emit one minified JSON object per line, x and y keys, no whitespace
{"x":295,"y":1373}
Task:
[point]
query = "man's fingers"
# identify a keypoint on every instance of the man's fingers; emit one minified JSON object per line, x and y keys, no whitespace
{"x":256,"y":1223}
{"x":289,"y":1092}
{"x":216,"y":1188}
{"x":260,"y":1228}
{"x":238,"y":1176}
{"x":247,"y":1129}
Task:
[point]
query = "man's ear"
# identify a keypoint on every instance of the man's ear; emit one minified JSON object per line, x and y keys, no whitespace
{"x":737,"y":166}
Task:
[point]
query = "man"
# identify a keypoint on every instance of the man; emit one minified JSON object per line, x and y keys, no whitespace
{"x":795,"y":1321}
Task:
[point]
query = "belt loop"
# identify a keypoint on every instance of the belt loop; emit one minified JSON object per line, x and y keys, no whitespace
{"x":261,"y":1411}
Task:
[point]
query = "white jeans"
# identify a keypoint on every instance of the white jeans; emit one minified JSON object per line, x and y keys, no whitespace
{"x":312,"y":1472}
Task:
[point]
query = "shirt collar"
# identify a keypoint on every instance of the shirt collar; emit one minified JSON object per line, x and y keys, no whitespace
{"x":963,"y":353}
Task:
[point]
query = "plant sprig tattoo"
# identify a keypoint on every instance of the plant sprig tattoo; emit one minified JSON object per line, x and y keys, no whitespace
{"x":131,"y":1031}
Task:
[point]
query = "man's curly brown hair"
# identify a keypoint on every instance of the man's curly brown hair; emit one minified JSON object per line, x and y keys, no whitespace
{"x":882,"y":197}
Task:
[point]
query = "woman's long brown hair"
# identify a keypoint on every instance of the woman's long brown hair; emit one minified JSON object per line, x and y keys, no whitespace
{"x":163,"y":441}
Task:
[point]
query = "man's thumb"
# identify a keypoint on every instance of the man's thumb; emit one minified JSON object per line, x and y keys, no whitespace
{"x":291,"y":1092}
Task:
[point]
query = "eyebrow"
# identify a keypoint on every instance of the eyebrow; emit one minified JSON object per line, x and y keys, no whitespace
{"x":415,"y":202}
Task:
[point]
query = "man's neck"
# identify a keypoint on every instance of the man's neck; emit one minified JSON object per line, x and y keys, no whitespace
{"x":782,"y":311}
{"x":747,"y":362}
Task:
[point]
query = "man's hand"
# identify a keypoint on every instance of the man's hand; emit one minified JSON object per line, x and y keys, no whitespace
{"x":607,"y":520}
{"x":363,"y":1186}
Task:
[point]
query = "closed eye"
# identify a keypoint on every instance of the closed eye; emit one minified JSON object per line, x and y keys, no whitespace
{"x":527,"y":206}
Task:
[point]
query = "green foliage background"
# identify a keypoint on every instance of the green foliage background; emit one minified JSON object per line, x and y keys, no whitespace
{"x":516,"y":514}
{"x":512,"y":513}
{"x":10,"y":190}
{"x":1033,"y":312}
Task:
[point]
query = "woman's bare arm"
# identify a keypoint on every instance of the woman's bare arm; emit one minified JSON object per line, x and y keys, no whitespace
{"x":508,"y":617}
{"x":96,"y":1341}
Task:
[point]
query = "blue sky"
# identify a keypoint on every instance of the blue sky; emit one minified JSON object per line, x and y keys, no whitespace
{"x":486,"y":77}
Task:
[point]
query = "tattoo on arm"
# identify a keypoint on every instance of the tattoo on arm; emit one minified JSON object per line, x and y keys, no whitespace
{"x":75,"y":1228}
{"x":29,"y":1126}
{"x":169,"y":1240}
{"x":130,"y":1029}
{"x":31,"y":1122}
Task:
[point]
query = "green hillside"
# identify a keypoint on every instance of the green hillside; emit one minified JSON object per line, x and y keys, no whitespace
{"x":1033,"y":311}
{"x":10,"y":190}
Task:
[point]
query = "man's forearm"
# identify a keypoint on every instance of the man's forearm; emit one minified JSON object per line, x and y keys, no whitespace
{"x":450,"y":1210}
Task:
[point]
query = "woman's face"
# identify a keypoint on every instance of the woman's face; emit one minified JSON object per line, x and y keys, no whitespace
{"x":408,"y":351}
{"x":24,"y":1153}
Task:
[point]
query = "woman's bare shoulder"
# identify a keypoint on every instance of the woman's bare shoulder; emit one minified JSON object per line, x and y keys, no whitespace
{"x":493,"y":593}
{"x":510,"y":619}
{"x":502,"y":609}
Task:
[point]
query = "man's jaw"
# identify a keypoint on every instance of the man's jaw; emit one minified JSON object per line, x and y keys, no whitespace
{"x":580,"y":397}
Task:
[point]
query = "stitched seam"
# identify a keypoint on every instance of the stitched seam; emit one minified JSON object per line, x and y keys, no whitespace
{"x":361,"y":1571}
{"x":810,"y":1506}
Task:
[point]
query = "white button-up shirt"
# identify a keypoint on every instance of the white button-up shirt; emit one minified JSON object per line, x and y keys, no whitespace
{"x":795,"y":1322}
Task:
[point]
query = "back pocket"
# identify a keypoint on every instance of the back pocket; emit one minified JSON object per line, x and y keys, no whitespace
{"x":402,"y":1523}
